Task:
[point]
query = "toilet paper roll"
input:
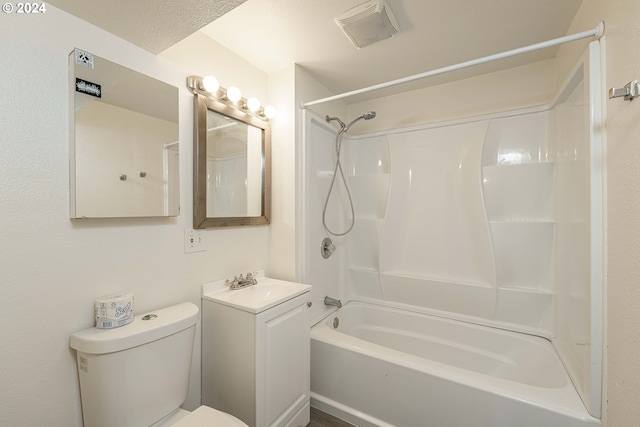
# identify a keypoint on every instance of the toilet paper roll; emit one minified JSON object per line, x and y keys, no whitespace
{"x":114,"y":311}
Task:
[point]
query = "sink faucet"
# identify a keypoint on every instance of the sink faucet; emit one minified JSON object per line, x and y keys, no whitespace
{"x":242,"y":282}
{"x":332,"y":301}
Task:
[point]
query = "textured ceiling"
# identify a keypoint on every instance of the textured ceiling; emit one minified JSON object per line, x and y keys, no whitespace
{"x":433,"y":34}
{"x":273,"y":34}
{"x":154,"y":25}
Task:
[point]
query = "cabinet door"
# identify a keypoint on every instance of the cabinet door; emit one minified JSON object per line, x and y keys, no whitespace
{"x":286,"y":370}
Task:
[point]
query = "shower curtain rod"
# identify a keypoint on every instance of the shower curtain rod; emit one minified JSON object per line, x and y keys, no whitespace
{"x":597,"y":32}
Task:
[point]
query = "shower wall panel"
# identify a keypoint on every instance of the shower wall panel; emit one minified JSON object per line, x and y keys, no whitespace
{"x":436,"y":246}
{"x":469,"y":226}
{"x":368,"y":176}
{"x":579,"y":239}
{"x":326,"y":275}
{"x":518,"y":183}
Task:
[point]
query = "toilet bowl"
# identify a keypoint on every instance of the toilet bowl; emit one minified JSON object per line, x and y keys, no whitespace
{"x":124,"y":375}
{"x":203,"y":416}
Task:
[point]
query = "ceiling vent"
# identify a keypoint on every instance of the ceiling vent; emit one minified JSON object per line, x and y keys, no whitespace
{"x":368,"y":23}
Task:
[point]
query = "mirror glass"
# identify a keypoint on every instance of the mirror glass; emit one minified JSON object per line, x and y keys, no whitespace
{"x":234,"y":167}
{"x":231,"y":174}
{"x":124,"y":141}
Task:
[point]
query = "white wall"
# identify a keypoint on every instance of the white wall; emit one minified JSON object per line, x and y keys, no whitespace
{"x":52,"y":268}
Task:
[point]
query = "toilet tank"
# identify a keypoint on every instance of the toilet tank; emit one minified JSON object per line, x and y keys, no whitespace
{"x":135,"y":375}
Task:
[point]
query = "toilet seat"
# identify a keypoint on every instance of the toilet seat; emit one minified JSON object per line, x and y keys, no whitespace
{"x":205,"y":416}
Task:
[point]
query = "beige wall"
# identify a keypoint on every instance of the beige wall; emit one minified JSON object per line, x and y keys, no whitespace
{"x":622,"y":64}
{"x":200,"y":55}
{"x":519,"y":87}
{"x":282,"y":247}
{"x":52,"y":268}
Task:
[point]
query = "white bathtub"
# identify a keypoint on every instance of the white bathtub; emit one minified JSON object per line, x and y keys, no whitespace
{"x":387,"y":367}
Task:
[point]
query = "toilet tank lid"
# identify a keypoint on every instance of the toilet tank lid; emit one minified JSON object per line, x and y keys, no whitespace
{"x":161,"y":323}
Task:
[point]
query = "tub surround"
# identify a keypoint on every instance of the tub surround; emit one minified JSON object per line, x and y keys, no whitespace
{"x":492,"y":219}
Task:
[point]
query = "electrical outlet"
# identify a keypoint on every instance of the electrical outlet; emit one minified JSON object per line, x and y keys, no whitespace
{"x":194,"y":241}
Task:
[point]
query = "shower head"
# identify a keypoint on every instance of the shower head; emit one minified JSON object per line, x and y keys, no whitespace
{"x":367,"y":116}
{"x":343,"y":128}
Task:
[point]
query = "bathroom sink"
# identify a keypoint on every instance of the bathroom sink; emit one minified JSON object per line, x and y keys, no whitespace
{"x":265,"y":294}
{"x":260,"y":293}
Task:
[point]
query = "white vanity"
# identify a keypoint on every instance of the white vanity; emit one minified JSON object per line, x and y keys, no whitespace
{"x":255,"y":352}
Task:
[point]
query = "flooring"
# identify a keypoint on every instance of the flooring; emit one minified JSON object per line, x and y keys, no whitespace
{"x":322,"y":419}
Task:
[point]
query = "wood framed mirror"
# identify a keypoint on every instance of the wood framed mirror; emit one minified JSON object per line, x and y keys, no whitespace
{"x":232,"y":160}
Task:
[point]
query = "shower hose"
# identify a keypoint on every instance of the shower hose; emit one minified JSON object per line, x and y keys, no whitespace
{"x":338,"y":168}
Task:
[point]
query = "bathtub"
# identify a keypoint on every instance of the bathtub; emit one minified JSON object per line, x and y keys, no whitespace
{"x":379,"y":366}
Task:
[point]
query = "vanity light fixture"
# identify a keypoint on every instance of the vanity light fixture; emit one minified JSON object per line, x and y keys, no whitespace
{"x":253,"y":104}
{"x":232,"y":96}
{"x":210,"y":84}
{"x":269,"y":112}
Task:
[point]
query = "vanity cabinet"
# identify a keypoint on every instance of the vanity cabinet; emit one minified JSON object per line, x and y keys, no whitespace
{"x":255,"y":361}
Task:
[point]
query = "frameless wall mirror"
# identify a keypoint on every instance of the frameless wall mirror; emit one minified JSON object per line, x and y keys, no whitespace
{"x":231,"y":162}
{"x":124,"y":141}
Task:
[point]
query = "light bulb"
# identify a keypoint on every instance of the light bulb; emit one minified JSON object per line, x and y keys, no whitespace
{"x":234,"y":94}
{"x":269,"y":112}
{"x":210,"y":84}
{"x":253,"y":104}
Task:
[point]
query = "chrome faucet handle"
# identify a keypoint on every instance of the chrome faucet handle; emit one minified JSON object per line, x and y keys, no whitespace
{"x":230,"y":282}
{"x":252,"y":278}
{"x":242,"y":281}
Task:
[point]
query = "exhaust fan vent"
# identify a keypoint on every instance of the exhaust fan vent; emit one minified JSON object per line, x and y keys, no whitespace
{"x":368,"y":23}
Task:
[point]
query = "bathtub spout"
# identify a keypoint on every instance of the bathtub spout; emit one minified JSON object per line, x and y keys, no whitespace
{"x":332,"y":301}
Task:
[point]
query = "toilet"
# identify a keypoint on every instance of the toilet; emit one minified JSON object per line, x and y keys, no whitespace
{"x":137,"y":375}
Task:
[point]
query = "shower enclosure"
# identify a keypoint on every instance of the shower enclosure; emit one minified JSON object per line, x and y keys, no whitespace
{"x":494,"y":220}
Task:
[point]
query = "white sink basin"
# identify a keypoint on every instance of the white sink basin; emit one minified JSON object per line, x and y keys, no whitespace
{"x":259,"y":293}
{"x":254,"y":299}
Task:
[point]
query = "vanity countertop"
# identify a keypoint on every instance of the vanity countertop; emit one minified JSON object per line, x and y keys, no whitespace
{"x":257,"y":298}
